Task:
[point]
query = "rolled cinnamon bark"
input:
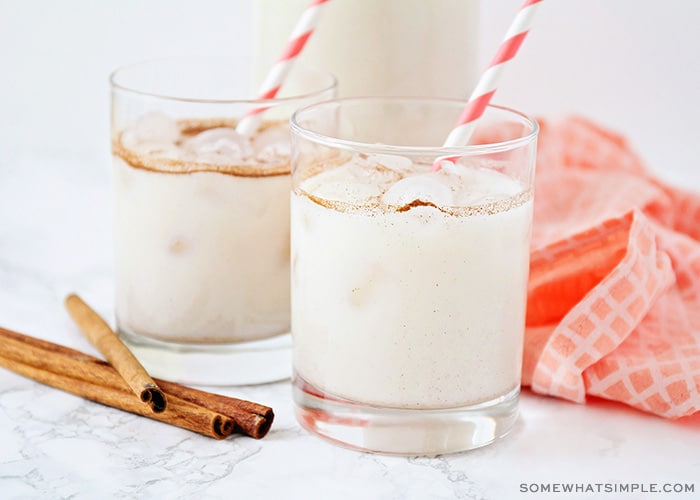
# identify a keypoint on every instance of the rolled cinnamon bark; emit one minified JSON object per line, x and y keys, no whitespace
{"x":98,"y":332}
{"x":180,"y":413}
{"x":59,"y":366}
{"x":252,"y":419}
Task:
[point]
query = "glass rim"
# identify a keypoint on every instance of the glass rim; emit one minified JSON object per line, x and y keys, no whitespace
{"x":374,"y":148}
{"x":332,"y":82}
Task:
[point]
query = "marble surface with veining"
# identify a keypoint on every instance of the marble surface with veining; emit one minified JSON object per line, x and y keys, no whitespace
{"x":55,"y":238}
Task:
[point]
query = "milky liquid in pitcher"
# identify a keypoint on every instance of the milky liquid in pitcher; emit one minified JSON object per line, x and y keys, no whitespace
{"x":201,"y":230}
{"x":379,"y":47}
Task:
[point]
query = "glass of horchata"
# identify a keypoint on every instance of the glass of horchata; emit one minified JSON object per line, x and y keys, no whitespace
{"x":201,"y":218}
{"x":409,"y":273}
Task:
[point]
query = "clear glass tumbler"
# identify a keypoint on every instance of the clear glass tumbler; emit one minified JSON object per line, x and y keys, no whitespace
{"x":201,"y":218}
{"x":409,"y":273}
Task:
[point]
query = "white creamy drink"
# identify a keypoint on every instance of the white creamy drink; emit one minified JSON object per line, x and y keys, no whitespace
{"x":379,"y":47}
{"x":201,"y":230}
{"x":408,"y":286}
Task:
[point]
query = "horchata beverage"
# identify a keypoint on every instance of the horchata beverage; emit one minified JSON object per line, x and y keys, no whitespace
{"x":201,"y":229}
{"x":408,"y":285}
{"x":409,"y":270}
{"x":380,"y":47}
{"x":201,"y":216}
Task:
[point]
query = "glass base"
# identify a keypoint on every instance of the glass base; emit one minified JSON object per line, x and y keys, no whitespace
{"x":241,"y":363}
{"x":397,"y":431}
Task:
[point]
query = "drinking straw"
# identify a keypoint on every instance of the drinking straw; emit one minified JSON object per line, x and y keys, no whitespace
{"x":278,"y":73}
{"x":488,"y":83}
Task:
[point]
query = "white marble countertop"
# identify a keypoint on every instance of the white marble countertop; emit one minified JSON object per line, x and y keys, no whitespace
{"x":55,"y":238}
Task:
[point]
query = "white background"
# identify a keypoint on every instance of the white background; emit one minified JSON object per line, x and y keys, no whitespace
{"x":628,"y":64}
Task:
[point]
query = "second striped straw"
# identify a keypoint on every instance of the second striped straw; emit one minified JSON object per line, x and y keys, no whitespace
{"x":275,"y":78}
{"x":488,"y":83}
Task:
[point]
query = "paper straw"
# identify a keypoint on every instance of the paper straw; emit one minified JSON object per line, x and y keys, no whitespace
{"x":275,"y":78}
{"x":488,"y":83}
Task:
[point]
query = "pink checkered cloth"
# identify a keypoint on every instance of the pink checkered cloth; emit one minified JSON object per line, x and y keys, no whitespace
{"x":614,"y":292}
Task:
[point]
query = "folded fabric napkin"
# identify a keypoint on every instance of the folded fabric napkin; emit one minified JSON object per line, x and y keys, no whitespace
{"x":614,"y":291}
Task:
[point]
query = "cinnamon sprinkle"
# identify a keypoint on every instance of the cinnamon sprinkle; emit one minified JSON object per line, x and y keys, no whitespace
{"x":155,"y":162}
{"x":417,"y":203}
{"x":376,"y":207}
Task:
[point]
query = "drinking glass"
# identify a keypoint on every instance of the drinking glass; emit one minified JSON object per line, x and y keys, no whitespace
{"x":201,"y":218}
{"x":409,"y":273}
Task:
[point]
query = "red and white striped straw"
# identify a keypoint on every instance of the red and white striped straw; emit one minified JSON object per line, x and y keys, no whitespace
{"x":275,"y":78}
{"x":488,"y":83}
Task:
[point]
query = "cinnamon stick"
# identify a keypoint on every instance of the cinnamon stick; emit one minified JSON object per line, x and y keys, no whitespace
{"x":84,"y":375}
{"x":181,"y":413}
{"x":252,"y":419}
{"x":98,"y":332}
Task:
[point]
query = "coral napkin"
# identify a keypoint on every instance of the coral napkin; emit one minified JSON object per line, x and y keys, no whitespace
{"x":614,"y":292}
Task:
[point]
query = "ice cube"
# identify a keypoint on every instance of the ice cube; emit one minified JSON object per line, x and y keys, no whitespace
{"x":165,"y":150}
{"x":399,"y":164}
{"x":451,"y":167}
{"x":220,"y":144}
{"x":424,"y":188}
{"x":348,"y":183}
{"x":272,"y":143}
{"x":474,"y":185}
{"x":153,"y":130}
